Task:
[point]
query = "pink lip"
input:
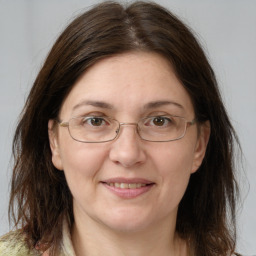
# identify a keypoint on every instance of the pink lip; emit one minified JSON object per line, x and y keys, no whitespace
{"x":127,"y":180}
{"x":128,"y":193}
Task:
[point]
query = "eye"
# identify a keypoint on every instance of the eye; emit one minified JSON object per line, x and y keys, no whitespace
{"x":94,"y":121}
{"x":160,"y":121}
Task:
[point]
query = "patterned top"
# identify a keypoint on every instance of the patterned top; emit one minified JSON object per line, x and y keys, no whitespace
{"x":14,"y":244}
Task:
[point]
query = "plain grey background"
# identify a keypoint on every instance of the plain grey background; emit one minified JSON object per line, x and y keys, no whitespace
{"x":226,"y":29}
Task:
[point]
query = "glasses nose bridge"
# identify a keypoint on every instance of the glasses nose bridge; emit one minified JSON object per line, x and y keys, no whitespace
{"x":136,"y":124}
{"x":128,"y":124}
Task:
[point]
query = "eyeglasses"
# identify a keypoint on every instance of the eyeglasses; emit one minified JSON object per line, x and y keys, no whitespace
{"x":97,"y":129}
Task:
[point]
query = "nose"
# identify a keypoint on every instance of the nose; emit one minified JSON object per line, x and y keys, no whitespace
{"x":127,"y":149}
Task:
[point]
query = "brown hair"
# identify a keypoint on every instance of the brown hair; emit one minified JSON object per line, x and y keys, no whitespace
{"x":206,"y":215}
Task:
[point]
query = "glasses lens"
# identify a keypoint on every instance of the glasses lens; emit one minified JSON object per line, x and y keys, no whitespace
{"x":93,"y":129}
{"x":102,"y":129}
{"x":162,"y":128}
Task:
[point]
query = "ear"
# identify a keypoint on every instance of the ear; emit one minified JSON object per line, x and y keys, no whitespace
{"x":54,"y":145}
{"x":201,"y":145}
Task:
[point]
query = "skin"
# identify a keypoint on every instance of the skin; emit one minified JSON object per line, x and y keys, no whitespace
{"x":144,"y":225}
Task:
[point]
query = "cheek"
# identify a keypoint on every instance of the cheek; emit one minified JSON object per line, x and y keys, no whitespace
{"x":175,"y":163}
{"x":81,"y":163}
{"x":175,"y":158}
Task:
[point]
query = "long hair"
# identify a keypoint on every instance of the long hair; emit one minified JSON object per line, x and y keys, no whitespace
{"x":40,"y":197}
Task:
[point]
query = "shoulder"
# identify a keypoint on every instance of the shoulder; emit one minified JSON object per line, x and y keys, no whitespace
{"x":14,"y":243}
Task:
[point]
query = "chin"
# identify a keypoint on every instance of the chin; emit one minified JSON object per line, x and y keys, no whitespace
{"x":127,"y":222}
{"x":127,"y":227}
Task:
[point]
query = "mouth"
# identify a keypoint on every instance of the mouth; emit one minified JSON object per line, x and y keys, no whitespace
{"x":127,"y":185}
{"x":128,"y":188}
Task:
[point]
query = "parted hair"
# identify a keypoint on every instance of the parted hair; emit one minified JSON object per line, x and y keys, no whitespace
{"x":40,"y":198}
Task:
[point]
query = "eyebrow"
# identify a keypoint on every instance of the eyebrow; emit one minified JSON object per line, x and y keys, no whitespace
{"x":156,"y":104}
{"x":98,"y":104}
{"x":105,"y":105}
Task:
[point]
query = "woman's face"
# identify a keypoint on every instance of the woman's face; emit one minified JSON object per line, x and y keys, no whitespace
{"x":128,"y":87}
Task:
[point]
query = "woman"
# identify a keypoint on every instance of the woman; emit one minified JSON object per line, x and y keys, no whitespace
{"x":124,"y":146}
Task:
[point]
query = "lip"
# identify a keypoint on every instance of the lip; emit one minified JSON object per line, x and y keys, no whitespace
{"x":127,"y":180}
{"x":128,"y":193}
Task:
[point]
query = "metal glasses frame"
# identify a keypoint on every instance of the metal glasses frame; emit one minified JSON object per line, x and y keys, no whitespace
{"x":66,"y":124}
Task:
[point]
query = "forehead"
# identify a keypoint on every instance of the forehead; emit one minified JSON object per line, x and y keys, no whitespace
{"x":127,"y":82}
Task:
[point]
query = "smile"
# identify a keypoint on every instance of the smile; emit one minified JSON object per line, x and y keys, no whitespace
{"x":126,"y":185}
{"x":128,"y":188}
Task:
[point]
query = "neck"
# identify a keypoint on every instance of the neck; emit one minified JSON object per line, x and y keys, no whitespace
{"x":100,"y":240}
